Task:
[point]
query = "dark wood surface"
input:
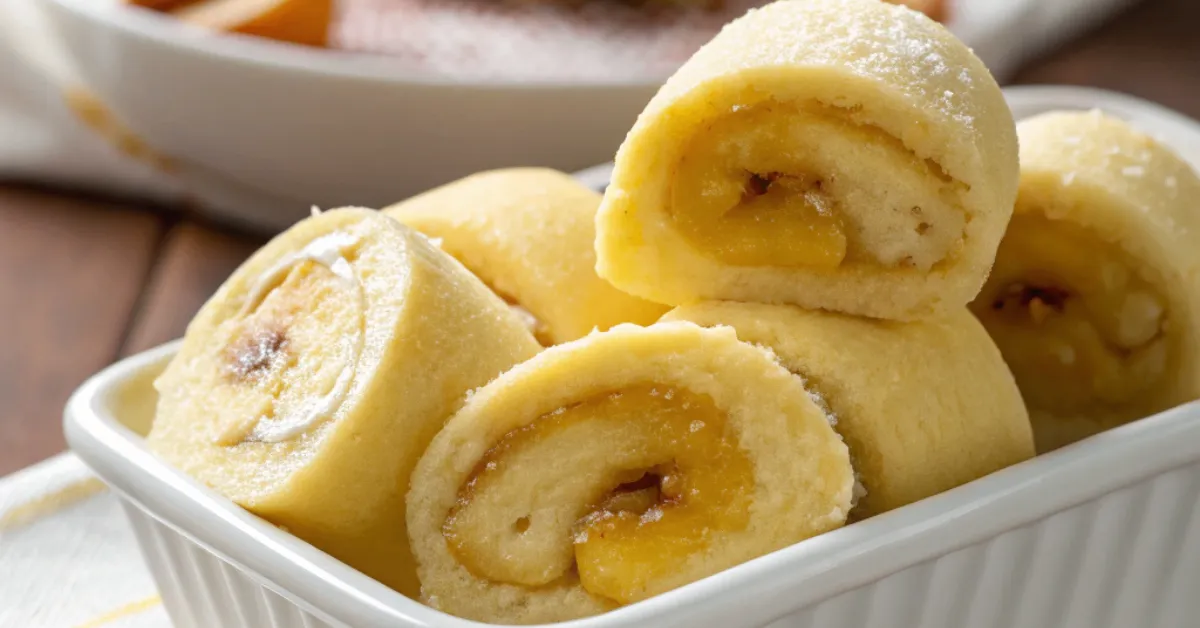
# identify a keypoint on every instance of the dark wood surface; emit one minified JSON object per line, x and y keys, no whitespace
{"x":84,"y":282}
{"x":1151,"y":50}
{"x":71,"y":273}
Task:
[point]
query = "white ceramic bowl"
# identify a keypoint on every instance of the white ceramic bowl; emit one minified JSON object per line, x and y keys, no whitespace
{"x":296,"y":126}
{"x":1103,"y":533}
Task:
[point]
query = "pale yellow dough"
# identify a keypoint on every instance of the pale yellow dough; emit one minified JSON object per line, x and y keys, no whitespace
{"x":847,"y":155}
{"x":1094,"y":296}
{"x":528,"y":233}
{"x":924,"y":406}
{"x":429,"y":332}
{"x":533,"y":505}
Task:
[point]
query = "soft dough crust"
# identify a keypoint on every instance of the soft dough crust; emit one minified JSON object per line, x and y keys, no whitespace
{"x":898,"y":124}
{"x":430,"y":333}
{"x":802,"y":479}
{"x":528,"y":233}
{"x":924,"y":406}
{"x":1095,"y":296}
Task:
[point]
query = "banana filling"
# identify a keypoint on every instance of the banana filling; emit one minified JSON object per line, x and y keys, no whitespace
{"x":277,"y":349}
{"x":653,"y":476}
{"x":774,"y":184}
{"x":1084,"y":332}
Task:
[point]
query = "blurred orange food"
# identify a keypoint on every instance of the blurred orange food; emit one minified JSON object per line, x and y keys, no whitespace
{"x":159,"y":5}
{"x":298,"y":21}
{"x":935,"y":9}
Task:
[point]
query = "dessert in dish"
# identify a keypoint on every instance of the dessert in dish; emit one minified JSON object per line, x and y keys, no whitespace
{"x":924,"y":406}
{"x":822,"y":191}
{"x":528,"y":234}
{"x":619,"y":466}
{"x":554,"y":40}
{"x":1094,"y":299}
{"x":839,"y":154}
{"x":308,"y":386}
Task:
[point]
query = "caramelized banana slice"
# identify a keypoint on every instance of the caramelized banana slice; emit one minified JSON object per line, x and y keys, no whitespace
{"x":924,"y":406}
{"x":528,"y":233}
{"x":846,"y":155}
{"x":1093,"y":299}
{"x":619,"y":466}
{"x":308,"y":386}
{"x":296,"y":21}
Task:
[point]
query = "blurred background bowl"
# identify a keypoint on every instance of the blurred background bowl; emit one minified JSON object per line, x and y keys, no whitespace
{"x":289,"y":126}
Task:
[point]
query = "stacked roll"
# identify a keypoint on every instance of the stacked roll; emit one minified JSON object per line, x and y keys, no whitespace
{"x":818,"y":162}
{"x":832,"y":154}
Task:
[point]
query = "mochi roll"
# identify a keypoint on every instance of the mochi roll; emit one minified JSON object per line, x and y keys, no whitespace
{"x":528,"y":233}
{"x":1093,"y":299}
{"x":310,"y":383}
{"x":616,"y":467}
{"x":847,"y":155}
{"x":924,"y":406}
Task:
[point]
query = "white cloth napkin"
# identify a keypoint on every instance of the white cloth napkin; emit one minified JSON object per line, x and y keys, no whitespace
{"x":69,"y":559}
{"x":43,"y":138}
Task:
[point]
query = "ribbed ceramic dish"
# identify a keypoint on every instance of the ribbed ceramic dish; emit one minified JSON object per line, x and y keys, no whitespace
{"x":1101,"y":534}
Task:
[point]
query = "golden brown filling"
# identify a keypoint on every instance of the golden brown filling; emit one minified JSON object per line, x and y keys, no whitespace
{"x":774,"y":184}
{"x":1082,"y":330}
{"x":620,"y":489}
{"x":254,"y":352}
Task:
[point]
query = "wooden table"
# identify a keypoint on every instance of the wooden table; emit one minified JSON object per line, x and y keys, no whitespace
{"x":85,"y":281}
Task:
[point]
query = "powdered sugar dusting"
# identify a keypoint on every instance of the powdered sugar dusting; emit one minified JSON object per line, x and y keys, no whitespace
{"x":858,"y":491}
{"x":820,"y":402}
{"x":650,"y":516}
{"x":875,"y":41}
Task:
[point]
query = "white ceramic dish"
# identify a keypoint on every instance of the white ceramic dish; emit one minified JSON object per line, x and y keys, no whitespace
{"x":1104,"y":533}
